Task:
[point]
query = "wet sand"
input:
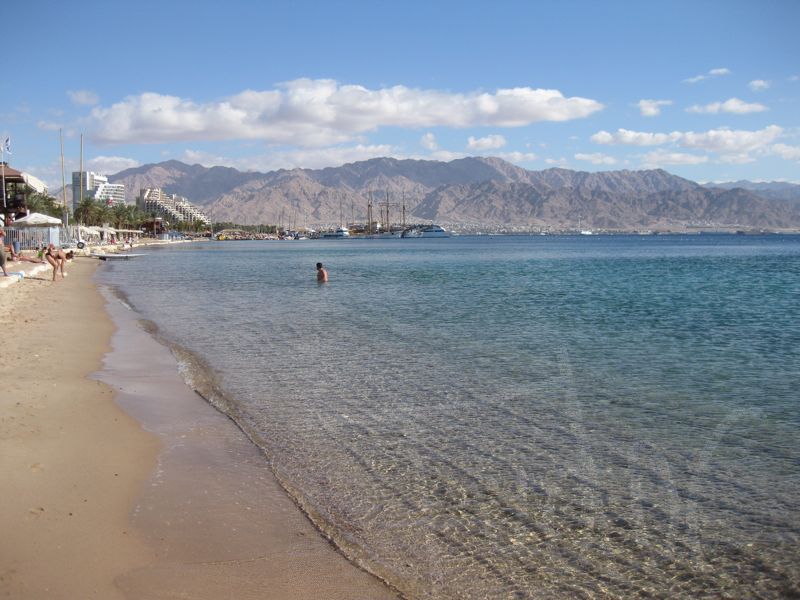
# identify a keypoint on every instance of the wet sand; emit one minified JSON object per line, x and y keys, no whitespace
{"x":120,"y":482}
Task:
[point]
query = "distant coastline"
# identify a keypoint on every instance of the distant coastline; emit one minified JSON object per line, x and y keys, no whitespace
{"x":476,"y":194}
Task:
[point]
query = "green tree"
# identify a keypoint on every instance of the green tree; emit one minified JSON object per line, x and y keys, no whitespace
{"x":93,"y":212}
{"x":127,"y":216}
{"x":42,"y":203}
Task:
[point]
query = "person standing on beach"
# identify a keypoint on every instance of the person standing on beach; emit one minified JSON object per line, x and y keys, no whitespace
{"x":3,"y":252}
{"x":322,"y":274}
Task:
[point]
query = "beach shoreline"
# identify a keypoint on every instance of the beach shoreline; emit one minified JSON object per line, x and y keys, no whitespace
{"x":127,"y":484}
{"x":71,"y":460}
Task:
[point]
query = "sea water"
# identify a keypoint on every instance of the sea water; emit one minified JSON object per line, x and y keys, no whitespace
{"x":512,"y":417}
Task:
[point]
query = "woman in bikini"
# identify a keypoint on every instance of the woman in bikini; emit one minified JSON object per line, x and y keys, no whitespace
{"x":56,"y":258}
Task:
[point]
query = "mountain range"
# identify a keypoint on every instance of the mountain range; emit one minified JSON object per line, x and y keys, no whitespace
{"x":774,"y":190}
{"x":471,"y":194}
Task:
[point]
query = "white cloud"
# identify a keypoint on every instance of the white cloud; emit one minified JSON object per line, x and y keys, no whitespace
{"x":652,"y":108}
{"x":428,"y":142}
{"x":726,"y":141}
{"x":557,"y":162}
{"x":442,"y":155}
{"x":518,"y":157}
{"x":310,"y":113}
{"x":712,"y":73}
{"x":733,"y":105}
{"x":314,"y":158}
{"x":604,"y":137}
{"x":597,"y":158}
{"x":787,"y":152}
{"x":758,"y":85}
{"x":110,"y":165}
{"x":490,"y":142}
{"x":207,"y":159}
{"x":48,"y":126}
{"x":695,"y":79}
{"x":736,"y":159}
{"x":660,"y":158}
{"x":634,"y":138}
{"x":83,"y":97}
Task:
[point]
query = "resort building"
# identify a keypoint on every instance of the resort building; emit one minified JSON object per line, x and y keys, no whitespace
{"x":171,"y":207}
{"x":86,"y":184}
{"x":36,"y":184}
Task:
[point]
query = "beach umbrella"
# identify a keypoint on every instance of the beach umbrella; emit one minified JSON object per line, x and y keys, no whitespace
{"x":36,"y":220}
{"x":88,"y":231}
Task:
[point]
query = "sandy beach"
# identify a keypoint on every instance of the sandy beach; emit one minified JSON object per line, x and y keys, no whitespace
{"x":120,"y":482}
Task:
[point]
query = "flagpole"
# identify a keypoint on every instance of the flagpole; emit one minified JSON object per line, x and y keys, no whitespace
{"x":3,"y":167}
{"x":80,"y":196}
{"x":63,"y":180}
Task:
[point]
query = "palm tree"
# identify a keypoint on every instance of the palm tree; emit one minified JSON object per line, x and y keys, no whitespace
{"x":42,"y":203}
{"x":122,"y":216}
{"x":92,"y":212}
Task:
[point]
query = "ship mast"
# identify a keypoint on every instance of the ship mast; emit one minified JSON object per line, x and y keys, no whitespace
{"x":369,"y":213}
{"x":388,"y":224}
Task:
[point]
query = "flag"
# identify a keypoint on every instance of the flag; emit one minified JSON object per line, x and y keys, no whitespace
{"x":7,"y":144}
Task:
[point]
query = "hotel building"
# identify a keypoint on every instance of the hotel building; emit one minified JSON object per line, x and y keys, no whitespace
{"x":171,"y":207}
{"x":86,"y":184}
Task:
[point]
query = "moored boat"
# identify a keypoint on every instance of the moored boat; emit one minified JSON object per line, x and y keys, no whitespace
{"x":429,"y":231}
{"x":339,"y":232}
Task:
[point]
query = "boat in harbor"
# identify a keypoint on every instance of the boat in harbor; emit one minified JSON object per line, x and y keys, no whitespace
{"x":339,"y":232}
{"x":428,"y":231}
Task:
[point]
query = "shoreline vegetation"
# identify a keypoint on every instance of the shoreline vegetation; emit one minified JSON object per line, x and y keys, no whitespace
{"x":121,"y":482}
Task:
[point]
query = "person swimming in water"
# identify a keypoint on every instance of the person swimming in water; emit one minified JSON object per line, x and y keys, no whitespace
{"x":322,"y":274}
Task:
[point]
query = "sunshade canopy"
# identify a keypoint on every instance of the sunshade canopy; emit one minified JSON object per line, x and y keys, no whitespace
{"x":36,"y":220}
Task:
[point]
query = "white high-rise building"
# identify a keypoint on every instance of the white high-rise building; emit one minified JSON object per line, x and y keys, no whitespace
{"x":95,"y":186}
{"x":111,"y":193}
{"x":172,"y":207}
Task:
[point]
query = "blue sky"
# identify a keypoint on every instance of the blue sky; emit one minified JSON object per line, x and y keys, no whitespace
{"x":709,"y":90}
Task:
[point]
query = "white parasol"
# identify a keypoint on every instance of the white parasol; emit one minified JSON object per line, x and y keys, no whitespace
{"x":36,"y":220}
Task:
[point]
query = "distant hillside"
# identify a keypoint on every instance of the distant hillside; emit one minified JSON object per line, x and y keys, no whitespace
{"x":200,"y":184}
{"x":773,"y":190}
{"x":476,"y":192}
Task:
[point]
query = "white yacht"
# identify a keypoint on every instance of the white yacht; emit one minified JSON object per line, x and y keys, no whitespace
{"x":429,"y":231}
{"x":339,"y":232}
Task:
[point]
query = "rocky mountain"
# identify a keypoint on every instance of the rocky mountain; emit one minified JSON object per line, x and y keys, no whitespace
{"x":200,"y":184}
{"x":478,"y":193}
{"x":774,"y":190}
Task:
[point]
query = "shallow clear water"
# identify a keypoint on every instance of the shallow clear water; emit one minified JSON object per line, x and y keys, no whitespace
{"x":614,"y":416}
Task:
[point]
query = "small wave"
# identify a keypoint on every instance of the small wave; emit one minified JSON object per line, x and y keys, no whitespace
{"x":120,"y":296}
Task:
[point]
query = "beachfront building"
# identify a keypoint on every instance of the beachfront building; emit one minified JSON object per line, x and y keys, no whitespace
{"x":113,"y":194}
{"x":36,"y":184}
{"x":173,"y":208}
{"x":86,"y":184}
{"x":14,"y":193}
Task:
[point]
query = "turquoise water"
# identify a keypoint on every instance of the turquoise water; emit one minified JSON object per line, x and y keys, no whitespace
{"x":512,"y":417}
